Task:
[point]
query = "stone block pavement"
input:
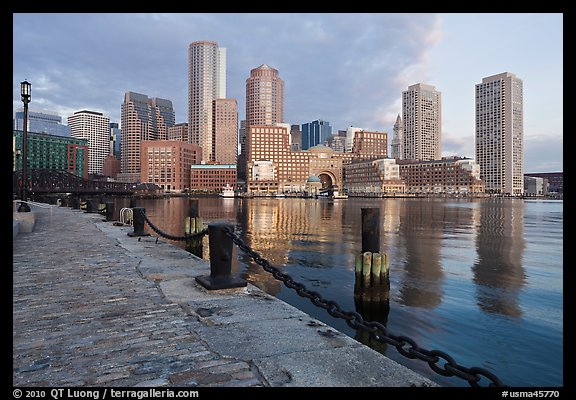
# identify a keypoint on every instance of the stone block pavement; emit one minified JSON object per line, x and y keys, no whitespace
{"x":93,"y":306}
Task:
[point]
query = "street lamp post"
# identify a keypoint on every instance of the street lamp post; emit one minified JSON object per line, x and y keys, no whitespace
{"x":26,"y":93}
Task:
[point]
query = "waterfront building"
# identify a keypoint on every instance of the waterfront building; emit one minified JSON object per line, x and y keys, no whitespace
{"x":211,"y":178}
{"x":535,"y":186}
{"x":379,"y":176}
{"x":500,"y":133}
{"x":554,"y":181}
{"x":315,"y":133}
{"x":370,"y":145}
{"x":95,"y":128}
{"x":421,"y":118}
{"x":206,"y":83}
{"x":45,"y":151}
{"x":41,"y":122}
{"x":396,"y":147}
{"x":167,"y":163}
{"x":446,"y":176}
{"x":269,"y":145}
{"x":264,"y":103}
{"x":143,"y":119}
{"x":337,"y":141}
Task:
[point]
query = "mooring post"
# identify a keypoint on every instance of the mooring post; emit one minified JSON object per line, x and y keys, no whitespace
{"x":109,"y":211}
{"x":371,"y":230}
{"x":75,"y":202}
{"x":220,"y":260}
{"x":193,"y":224}
{"x":138,"y":222}
{"x":90,"y":206}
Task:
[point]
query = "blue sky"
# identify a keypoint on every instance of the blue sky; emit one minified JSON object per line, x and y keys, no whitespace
{"x":345,"y":68}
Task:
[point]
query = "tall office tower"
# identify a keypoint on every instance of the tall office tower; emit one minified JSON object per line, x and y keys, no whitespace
{"x":206,"y":82}
{"x":422,"y":124}
{"x":41,"y":122}
{"x":396,"y":147}
{"x":225,"y":140}
{"x":264,"y":106}
{"x":94,"y":127}
{"x":142,"y":119}
{"x":179,"y":132}
{"x":315,"y":132}
{"x":115,"y":139}
{"x":264,"y":97}
{"x":500,"y":133}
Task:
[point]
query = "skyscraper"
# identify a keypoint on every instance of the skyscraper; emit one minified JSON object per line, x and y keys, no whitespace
{"x":500,"y":133}
{"x":206,"y":82}
{"x":396,"y":147}
{"x":264,"y":106}
{"x":142,"y":119}
{"x":41,"y":122}
{"x":264,"y":97}
{"x":225,"y":131}
{"x":422,"y":124}
{"x":315,"y":132}
{"x":94,"y":127}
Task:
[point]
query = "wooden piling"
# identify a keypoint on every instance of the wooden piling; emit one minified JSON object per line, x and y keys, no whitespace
{"x":192,"y":225}
{"x":370,"y":230}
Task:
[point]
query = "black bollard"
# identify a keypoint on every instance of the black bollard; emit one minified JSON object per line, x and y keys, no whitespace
{"x":138,"y":218}
{"x":220,"y":260}
{"x":75,"y":202}
{"x":371,"y":230}
{"x":193,"y":224}
{"x":109,"y":211}
{"x":91,"y":206}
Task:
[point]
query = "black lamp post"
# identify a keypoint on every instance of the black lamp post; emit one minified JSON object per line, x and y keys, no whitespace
{"x":26,"y":93}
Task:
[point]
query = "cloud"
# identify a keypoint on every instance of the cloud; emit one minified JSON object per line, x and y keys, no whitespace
{"x":348,"y":69}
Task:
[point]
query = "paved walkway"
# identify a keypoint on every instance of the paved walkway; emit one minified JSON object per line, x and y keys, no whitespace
{"x":93,"y":306}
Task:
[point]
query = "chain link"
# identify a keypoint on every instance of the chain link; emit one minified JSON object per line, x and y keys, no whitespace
{"x":405,"y":345}
{"x":196,"y":235}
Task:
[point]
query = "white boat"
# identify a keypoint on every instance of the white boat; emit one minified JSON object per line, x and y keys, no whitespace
{"x":227,"y":191}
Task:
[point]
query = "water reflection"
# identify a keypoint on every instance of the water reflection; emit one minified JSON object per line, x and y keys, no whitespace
{"x":478,"y":278}
{"x":420,"y":241}
{"x":498,"y":271}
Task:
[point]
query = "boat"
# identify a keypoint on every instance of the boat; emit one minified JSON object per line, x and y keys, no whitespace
{"x":227,"y":191}
{"x":337,"y":195}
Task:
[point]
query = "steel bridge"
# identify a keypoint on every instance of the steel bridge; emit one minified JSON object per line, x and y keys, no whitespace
{"x":47,"y":181}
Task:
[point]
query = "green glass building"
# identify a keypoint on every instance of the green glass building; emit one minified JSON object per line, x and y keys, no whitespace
{"x":45,"y":151}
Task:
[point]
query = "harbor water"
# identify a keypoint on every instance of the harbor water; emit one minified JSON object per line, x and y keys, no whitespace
{"x":479,"y":279}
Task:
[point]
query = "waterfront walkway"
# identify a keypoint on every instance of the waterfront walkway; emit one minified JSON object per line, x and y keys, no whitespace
{"x":93,"y":306}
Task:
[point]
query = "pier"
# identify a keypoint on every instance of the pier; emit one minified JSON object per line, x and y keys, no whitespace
{"x":95,"y":306}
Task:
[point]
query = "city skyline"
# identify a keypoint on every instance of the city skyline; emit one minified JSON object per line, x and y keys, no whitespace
{"x":347,"y":69}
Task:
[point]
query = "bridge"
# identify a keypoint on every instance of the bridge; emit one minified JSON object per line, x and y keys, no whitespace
{"x":51,"y":181}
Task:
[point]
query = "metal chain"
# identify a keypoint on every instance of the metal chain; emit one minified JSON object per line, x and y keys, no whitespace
{"x":405,"y":346}
{"x":196,"y":235}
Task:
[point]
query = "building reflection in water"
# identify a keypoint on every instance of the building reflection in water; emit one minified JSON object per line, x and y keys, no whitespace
{"x":286,"y":232}
{"x":418,"y":251}
{"x":498,"y":272}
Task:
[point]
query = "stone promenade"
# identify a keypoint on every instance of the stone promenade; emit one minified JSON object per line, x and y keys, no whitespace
{"x":93,"y":306}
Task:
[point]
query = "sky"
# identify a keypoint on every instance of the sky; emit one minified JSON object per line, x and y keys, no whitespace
{"x":349,"y":69}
